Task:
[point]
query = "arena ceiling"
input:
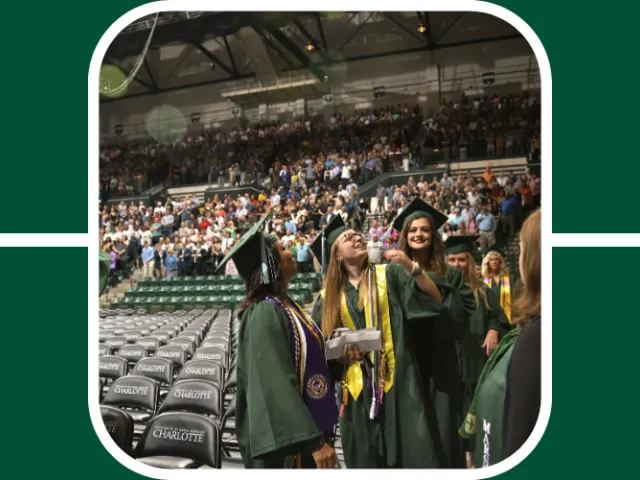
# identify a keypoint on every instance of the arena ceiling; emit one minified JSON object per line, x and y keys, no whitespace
{"x":190,"y":49}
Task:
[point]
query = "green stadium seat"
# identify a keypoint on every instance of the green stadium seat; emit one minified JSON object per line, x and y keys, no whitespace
{"x":188,"y":303}
{"x":200,"y":302}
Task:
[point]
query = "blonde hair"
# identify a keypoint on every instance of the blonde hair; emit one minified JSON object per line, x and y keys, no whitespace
{"x":528,"y":303}
{"x":474,"y":282}
{"x":334,"y":284}
{"x":486,"y":270}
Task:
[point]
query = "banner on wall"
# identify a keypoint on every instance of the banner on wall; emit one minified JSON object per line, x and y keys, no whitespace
{"x":119,"y":129}
{"x":488,"y":78}
{"x":235,"y":111}
{"x":195,"y":117}
{"x":378,"y":92}
{"x":327,"y":99}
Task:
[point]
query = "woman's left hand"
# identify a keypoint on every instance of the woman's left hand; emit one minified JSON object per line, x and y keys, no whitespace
{"x":399,"y":257}
{"x":491,"y":342}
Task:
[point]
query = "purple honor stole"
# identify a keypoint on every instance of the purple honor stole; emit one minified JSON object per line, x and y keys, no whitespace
{"x":314,"y":382}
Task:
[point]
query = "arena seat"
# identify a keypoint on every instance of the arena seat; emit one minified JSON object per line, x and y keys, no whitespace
{"x":104,"y":350}
{"x":174,"y":353}
{"x":132,"y":353}
{"x":213,"y":354}
{"x":132,"y":335}
{"x":112,"y":367}
{"x":104,"y":334}
{"x":119,"y":424}
{"x":162,"y":336}
{"x":179,"y":440}
{"x":116,"y":342}
{"x":150,"y":343}
{"x":195,"y":396}
{"x":228,"y":440}
{"x":159,"y":369}
{"x":135,"y":394}
{"x":184,"y":343}
{"x":216,"y":342}
{"x":202,"y":370}
{"x":193,"y":336}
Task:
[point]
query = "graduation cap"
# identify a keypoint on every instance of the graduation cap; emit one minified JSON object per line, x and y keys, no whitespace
{"x":418,"y":208}
{"x":321,"y":246}
{"x":460,"y":244}
{"x":252,"y":251}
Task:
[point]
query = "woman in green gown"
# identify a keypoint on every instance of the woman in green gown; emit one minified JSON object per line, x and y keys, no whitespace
{"x":487,"y":326}
{"x":285,"y":402}
{"x":384,"y":421}
{"x":441,"y":341}
{"x":497,"y":276}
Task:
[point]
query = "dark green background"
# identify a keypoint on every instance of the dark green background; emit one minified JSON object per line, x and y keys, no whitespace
{"x":590,"y":433}
{"x":47,"y":47}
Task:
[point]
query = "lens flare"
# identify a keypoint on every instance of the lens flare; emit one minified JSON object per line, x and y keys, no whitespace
{"x":166,"y":123}
{"x":111,"y":81}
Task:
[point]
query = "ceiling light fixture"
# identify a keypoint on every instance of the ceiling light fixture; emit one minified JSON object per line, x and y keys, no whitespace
{"x":421,"y":28}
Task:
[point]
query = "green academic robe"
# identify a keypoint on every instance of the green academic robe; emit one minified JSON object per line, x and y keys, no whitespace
{"x":438,"y":344}
{"x":472,"y":356}
{"x":272,"y":420}
{"x":405,"y":433}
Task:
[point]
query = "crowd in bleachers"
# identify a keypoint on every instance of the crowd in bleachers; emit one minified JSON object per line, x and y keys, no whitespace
{"x":257,"y":153}
{"x":486,"y":127}
{"x":188,"y":237}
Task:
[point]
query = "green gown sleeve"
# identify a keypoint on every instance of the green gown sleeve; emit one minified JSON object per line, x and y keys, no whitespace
{"x":497,"y":319}
{"x":279,"y":421}
{"x":416,"y":304}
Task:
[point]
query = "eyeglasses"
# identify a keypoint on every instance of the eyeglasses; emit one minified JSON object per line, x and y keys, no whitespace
{"x":351,"y":237}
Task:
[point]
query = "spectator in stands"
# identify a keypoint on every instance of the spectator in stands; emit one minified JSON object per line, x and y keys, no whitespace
{"x":380,"y":197}
{"x":158,"y":259}
{"x":171,"y":263}
{"x":509,"y":207}
{"x":472,"y":226}
{"x":147,"y":260}
{"x":487,"y":225}
{"x":304,"y":263}
{"x":447,"y":231}
{"x":375,"y":248}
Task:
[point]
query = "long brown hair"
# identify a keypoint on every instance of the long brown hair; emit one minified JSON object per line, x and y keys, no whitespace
{"x":474,"y":282}
{"x":436,"y":249}
{"x":529,"y":301}
{"x":335,"y":282}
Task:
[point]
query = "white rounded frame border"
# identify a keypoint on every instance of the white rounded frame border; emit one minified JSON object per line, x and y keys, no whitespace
{"x":92,"y":239}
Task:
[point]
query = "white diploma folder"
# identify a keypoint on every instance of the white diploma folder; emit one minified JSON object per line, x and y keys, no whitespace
{"x":367,"y":340}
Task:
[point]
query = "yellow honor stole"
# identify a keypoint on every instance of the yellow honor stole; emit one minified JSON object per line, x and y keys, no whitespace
{"x":354,"y":383}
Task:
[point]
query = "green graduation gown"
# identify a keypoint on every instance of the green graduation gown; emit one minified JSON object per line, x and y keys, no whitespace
{"x":472,"y":356}
{"x":405,"y":434}
{"x":438,"y":344}
{"x":272,"y":420}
